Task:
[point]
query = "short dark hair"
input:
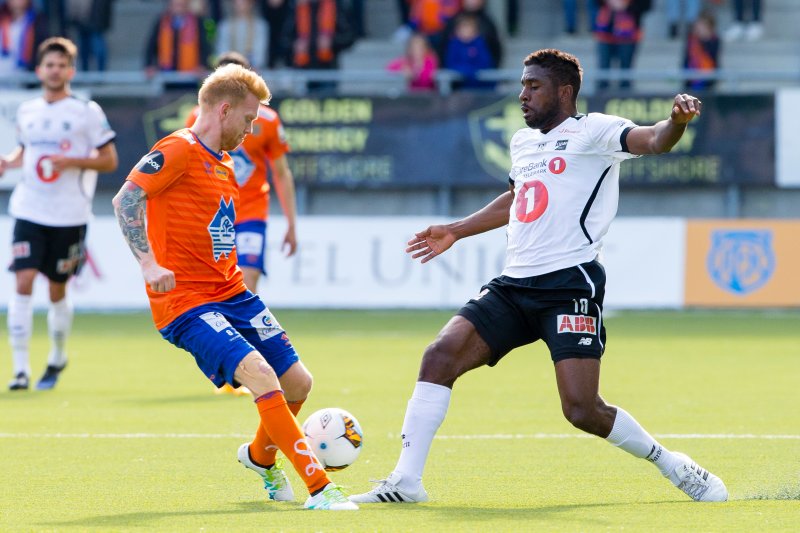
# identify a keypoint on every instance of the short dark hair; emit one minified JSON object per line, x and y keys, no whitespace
{"x":60,"y":45}
{"x":564,"y":68}
{"x":235,"y":58}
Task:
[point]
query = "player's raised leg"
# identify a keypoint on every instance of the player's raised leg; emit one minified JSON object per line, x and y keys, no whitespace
{"x":260,"y":455}
{"x":457,"y":350}
{"x":578,"y":380}
{"x":282,"y":427}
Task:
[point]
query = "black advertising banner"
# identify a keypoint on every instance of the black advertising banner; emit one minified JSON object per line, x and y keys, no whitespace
{"x":462,"y":139}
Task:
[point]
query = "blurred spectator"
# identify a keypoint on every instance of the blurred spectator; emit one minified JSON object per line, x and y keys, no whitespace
{"x":318,"y":30}
{"x":55,"y":13}
{"x":468,"y":52}
{"x":748,"y":27}
{"x":276,"y":13}
{"x":418,"y":64}
{"x":618,"y":31}
{"x":486,"y":27}
{"x":702,"y":50}
{"x":244,"y":31}
{"x":22,"y":29}
{"x":571,"y":15}
{"x":679,"y":12}
{"x":178,"y":42}
{"x":430,"y":17}
{"x":91,"y":19}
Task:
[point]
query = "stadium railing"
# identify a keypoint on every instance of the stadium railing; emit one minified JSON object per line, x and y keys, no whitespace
{"x":298,"y":82}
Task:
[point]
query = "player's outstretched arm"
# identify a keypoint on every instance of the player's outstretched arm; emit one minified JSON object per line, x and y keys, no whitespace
{"x":662,"y":136}
{"x":106,"y":160}
{"x":435,"y":240}
{"x":129,"y":206}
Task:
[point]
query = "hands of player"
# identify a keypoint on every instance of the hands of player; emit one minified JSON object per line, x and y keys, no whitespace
{"x":685,"y":108}
{"x":289,"y":246}
{"x":59,"y":162}
{"x":157,"y":277}
{"x":429,"y":243}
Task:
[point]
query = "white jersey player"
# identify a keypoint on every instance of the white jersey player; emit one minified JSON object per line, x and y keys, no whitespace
{"x":562,"y":198}
{"x":64,"y":143}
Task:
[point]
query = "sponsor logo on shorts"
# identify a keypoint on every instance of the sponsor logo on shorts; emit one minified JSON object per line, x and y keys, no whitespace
{"x":585,"y":341}
{"x":151,"y":163}
{"x":577,"y":324}
{"x":21,"y":250}
{"x":217,"y":322}
{"x":266,"y":325}
{"x":480,"y":295}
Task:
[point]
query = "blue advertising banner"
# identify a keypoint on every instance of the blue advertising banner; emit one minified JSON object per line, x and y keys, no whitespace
{"x":462,"y":139}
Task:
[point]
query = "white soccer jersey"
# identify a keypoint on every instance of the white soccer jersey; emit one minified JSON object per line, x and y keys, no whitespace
{"x":566,"y":185}
{"x":73,"y":128}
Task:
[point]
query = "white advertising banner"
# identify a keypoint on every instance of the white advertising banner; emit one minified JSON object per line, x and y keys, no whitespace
{"x":787,"y":138}
{"x":360,"y":262}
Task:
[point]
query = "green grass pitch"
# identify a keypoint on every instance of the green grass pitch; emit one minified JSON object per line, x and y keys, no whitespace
{"x":133,"y":439}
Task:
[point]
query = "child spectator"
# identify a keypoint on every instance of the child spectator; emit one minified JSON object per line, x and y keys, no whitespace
{"x":467,"y":53}
{"x":617,"y":32}
{"x":702,"y":50}
{"x":418,"y":64}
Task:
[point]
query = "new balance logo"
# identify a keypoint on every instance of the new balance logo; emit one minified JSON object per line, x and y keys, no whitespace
{"x":585,"y":341}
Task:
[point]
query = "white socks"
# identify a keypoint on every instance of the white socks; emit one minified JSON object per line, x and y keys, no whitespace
{"x":20,"y":325}
{"x":628,"y":435}
{"x":425,"y":413}
{"x":59,"y":324}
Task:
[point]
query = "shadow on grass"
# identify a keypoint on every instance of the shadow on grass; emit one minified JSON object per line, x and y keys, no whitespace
{"x":148,"y":518}
{"x":166,"y":400}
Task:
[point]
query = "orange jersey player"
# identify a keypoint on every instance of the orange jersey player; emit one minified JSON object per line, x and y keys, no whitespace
{"x":263,"y":150}
{"x":177,"y":211}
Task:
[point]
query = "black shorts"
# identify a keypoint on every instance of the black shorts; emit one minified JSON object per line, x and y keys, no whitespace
{"x":56,"y":252}
{"x":564,"y":308}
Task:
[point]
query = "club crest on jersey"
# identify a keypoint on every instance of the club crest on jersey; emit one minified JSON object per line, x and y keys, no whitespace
{"x":582,"y":324}
{"x":741,"y":261}
{"x":151,"y":163}
{"x":223,"y":236}
{"x":562,"y":144}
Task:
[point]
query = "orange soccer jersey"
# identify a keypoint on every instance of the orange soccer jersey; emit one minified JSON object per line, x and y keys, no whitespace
{"x":251,"y":160}
{"x":191,"y":194}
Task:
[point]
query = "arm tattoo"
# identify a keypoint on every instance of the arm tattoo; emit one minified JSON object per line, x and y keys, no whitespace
{"x":130,"y":215}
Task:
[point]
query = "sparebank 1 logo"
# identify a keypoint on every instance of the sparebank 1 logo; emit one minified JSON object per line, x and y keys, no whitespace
{"x":168,"y":118}
{"x":491,"y":129}
{"x":741,"y":261}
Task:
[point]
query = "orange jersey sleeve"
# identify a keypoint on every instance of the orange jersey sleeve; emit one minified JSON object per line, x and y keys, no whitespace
{"x":252,"y":159}
{"x":191,"y":199}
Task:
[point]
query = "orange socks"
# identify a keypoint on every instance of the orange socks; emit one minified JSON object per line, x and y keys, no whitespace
{"x":263,"y":449}
{"x":283,"y":429}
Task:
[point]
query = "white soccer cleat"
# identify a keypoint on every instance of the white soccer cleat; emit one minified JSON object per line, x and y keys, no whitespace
{"x":387,"y":491}
{"x":697,"y":482}
{"x":332,"y":498}
{"x":275,"y":481}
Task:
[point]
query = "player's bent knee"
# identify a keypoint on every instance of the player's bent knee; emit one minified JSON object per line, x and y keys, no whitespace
{"x":254,"y":373}
{"x":439,"y":364}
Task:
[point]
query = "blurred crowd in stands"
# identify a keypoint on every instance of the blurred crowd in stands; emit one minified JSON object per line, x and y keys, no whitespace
{"x":457,"y":35}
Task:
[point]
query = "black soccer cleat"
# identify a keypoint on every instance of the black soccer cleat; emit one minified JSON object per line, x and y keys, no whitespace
{"x":49,"y":378}
{"x":20,"y":382}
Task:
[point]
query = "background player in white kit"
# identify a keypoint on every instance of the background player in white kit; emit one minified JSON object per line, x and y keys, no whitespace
{"x":563,"y":195}
{"x":63,"y":143}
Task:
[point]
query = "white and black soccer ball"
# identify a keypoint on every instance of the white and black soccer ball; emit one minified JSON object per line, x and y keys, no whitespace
{"x":335,"y":436}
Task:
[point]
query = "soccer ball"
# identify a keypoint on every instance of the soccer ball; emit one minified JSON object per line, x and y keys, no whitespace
{"x":335,"y":436}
